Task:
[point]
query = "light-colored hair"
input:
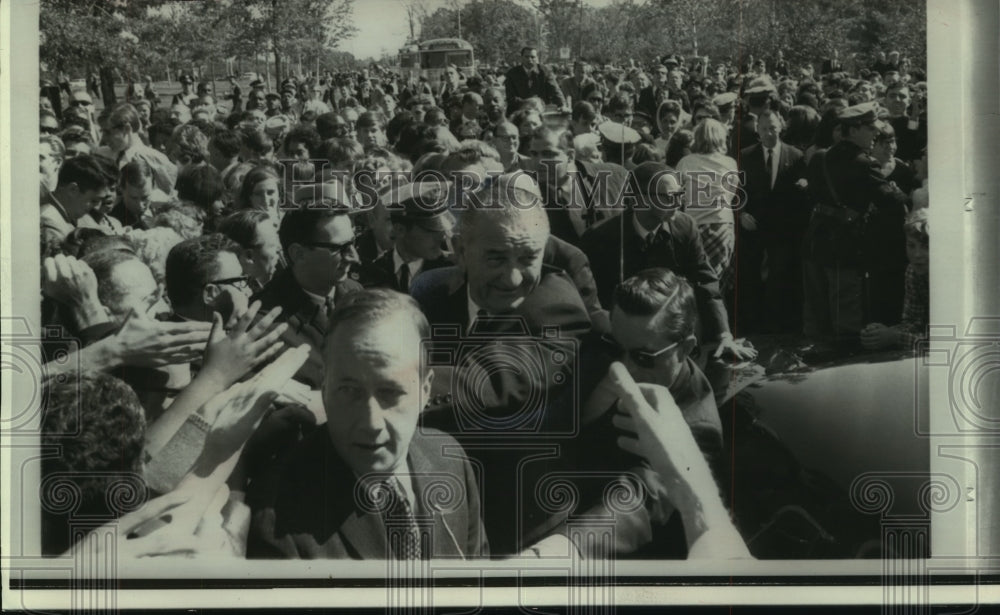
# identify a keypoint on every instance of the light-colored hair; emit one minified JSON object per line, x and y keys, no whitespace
{"x":587,"y":146}
{"x":710,"y":137}
{"x":152,"y":246}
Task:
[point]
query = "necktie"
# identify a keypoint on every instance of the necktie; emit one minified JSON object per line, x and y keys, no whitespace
{"x":403,"y":534}
{"x":404,"y":278}
{"x":767,"y":165}
{"x":652,"y":238}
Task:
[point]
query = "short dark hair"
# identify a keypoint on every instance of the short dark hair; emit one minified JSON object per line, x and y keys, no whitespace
{"x":200,"y":184}
{"x":527,"y":48}
{"x":84,"y":171}
{"x":134,"y":173}
{"x":227,"y":142}
{"x":299,"y":225}
{"x":241,"y":226}
{"x":370,"y":118}
{"x":305,"y":134}
{"x":99,"y":428}
{"x":326,"y":125}
{"x":256,"y":141}
{"x":583,"y":110}
{"x":193,"y":263}
{"x":660,"y":293}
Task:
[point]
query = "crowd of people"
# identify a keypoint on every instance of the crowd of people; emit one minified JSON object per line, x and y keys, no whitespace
{"x":364,"y":317}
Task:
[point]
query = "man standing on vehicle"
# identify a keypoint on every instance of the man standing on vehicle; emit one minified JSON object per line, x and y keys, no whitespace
{"x":529,"y":78}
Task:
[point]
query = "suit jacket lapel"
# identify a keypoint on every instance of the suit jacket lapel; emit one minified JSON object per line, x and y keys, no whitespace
{"x":361,"y":530}
{"x":445,"y":524}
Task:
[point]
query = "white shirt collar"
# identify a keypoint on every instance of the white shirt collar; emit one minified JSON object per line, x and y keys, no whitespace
{"x":319,"y":299}
{"x":641,"y":230}
{"x":397,"y":262}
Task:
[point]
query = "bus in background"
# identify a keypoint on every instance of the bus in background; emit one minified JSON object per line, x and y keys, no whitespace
{"x":437,"y":54}
{"x":409,"y":63}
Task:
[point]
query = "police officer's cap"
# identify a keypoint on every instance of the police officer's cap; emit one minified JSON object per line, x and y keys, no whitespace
{"x":725,"y":99}
{"x":618,"y":133}
{"x":865,"y":113}
{"x":423,"y":203}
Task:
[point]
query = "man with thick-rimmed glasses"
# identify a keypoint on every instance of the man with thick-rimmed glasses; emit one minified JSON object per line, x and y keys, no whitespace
{"x":318,"y":241}
{"x":204,"y":275}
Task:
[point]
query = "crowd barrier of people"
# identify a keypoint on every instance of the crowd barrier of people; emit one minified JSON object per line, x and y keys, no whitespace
{"x":359,"y":317}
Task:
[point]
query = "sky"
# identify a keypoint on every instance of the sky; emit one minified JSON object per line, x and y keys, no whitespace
{"x":382,"y":25}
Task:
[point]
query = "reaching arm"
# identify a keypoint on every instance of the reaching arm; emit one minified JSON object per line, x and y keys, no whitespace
{"x":663,"y":438}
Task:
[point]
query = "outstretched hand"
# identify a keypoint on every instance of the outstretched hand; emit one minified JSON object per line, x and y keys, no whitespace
{"x":231,"y":354}
{"x":152,"y":343}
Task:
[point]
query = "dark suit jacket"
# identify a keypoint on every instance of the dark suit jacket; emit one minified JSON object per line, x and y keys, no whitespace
{"x":520,"y":86}
{"x":616,"y":253}
{"x":381,"y":272}
{"x":521,"y":414}
{"x":307,"y":507}
{"x":780,"y":211}
{"x":598,"y":196}
{"x":306,"y":320}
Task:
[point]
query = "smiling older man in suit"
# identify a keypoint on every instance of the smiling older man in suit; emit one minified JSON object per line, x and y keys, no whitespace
{"x":772,"y":222}
{"x":368,"y":486}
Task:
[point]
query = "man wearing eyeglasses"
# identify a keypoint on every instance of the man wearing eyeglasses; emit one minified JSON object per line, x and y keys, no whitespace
{"x":652,"y":337}
{"x":204,"y":275}
{"x":318,"y":241}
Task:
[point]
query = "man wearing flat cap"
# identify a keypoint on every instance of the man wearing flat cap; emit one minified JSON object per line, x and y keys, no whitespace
{"x":854,"y":200}
{"x":421,"y":222}
{"x":318,"y":244}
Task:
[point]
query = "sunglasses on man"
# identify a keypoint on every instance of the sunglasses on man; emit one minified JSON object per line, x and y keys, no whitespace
{"x":240,"y":283}
{"x":642,"y":358}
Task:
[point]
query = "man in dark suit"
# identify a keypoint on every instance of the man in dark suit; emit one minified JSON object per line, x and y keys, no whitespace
{"x":513,"y":325}
{"x":772,"y":220}
{"x":654,"y":233}
{"x":650,"y":97}
{"x":368,"y":485}
{"x":577,"y":194}
{"x":421,"y":222}
{"x":318,"y":242}
{"x":529,"y":78}
{"x":832,"y":64}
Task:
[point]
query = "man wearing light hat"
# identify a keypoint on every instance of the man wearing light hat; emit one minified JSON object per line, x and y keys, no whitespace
{"x":421,"y":222}
{"x":853,"y":199}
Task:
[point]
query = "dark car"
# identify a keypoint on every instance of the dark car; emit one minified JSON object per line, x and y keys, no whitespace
{"x":823,"y":460}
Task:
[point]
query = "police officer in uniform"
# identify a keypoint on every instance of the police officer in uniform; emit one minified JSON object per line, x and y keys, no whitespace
{"x":854,"y":205}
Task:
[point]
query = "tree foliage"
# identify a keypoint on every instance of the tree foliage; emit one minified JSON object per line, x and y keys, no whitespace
{"x":805,"y":30}
{"x":137,"y":37}
{"x":497,"y":29}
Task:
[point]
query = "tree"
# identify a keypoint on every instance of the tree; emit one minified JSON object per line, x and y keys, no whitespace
{"x":292,"y":27}
{"x":76,"y":36}
{"x":496,"y":28}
